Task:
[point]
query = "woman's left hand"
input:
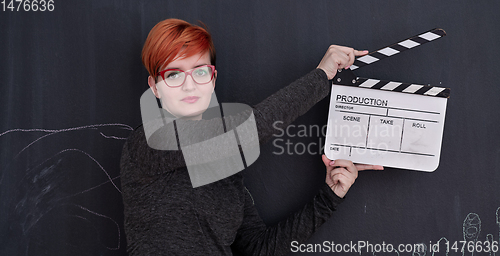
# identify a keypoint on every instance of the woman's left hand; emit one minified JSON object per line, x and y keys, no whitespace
{"x":341,"y":174}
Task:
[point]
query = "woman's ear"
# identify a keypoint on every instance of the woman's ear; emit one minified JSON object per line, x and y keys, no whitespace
{"x":215,"y":77}
{"x":152,"y":85}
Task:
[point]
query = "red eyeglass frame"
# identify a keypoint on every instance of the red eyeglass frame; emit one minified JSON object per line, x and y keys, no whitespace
{"x":188,"y":73}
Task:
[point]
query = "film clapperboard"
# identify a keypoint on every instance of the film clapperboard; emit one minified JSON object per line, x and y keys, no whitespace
{"x":386,"y":123}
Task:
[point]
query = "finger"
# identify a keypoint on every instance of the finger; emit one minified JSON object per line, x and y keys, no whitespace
{"x":342,"y":59}
{"x":349,"y":49}
{"x":362,"y":167}
{"x":352,"y":57}
{"x":360,"y":53}
{"x":355,"y":53}
{"x":346,"y":164}
{"x":342,"y":181}
{"x":326,"y":161}
{"x":352,"y":53}
{"x":344,"y":172}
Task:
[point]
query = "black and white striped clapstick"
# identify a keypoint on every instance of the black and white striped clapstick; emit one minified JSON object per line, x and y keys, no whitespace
{"x":403,"y":87}
{"x":347,"y":77}
{"x":396,"y":48}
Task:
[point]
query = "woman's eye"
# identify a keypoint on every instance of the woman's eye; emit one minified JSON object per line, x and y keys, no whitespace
{"x":173,"y":75}
{"x":201,"y":72}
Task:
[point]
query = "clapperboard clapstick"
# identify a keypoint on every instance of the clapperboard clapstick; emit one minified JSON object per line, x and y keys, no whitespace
{"x":387,"y":123}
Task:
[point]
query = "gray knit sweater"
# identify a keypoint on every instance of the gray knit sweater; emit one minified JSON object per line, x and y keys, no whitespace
{"x":165,"y":215}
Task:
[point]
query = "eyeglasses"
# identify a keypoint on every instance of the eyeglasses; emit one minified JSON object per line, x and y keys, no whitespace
{"x":176,"y":77}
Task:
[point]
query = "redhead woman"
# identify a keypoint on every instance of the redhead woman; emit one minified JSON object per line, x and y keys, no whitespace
{"x":164,"y":213}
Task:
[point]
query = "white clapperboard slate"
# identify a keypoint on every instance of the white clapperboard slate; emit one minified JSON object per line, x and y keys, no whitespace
{"x":384,"y":122}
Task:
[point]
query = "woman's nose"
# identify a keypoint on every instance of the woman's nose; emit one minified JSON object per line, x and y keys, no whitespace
{"x":189,"y":84}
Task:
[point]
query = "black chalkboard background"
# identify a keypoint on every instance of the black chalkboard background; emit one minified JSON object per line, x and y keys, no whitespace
{"x":71,"y":78}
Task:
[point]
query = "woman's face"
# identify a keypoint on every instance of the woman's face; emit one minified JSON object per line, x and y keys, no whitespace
{"x":190,"y":99}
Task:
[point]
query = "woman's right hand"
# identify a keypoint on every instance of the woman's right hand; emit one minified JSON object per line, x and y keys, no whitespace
{"x":341,"y":174}
{"x":338,"y":57}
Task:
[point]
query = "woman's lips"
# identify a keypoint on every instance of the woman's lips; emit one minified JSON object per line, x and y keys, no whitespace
{"x":190,"y":99}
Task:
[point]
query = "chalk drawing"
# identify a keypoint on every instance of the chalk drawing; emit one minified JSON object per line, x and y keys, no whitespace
{"x":489,"y":238}
{"x":51,"y":186}
{"x":52,"y":132}
{"x":471,"y":230}
{"x":418,"y":251}
{"x":442,"y":247}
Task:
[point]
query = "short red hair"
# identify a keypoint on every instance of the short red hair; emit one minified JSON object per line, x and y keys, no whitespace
{"x":173,"y":37}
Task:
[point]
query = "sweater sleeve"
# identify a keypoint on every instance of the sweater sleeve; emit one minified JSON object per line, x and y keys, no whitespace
{"x":290,"y":102}
{"x":255,"y":238}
